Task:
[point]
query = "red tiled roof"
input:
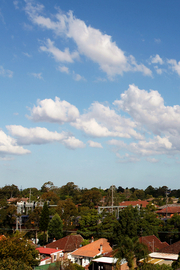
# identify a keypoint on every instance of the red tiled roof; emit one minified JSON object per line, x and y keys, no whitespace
{"x":47,"y":251}
{"x":134,"y":203}
{"x":169,"y":210}
{"x":172,"y":249}
{"x":68,"y":243}
{"x":93,"y":249}
{"x":153,"y":243}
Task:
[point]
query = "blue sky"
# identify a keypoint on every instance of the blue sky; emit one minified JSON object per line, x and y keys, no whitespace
{"x":90,"y":93}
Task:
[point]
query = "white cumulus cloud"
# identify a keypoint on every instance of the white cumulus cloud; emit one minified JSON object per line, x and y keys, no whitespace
{"x":56,"y":111}
{"x":94,"y":144}
{"x":9,"y":146}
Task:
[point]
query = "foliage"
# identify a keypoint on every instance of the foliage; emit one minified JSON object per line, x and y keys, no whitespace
{"x":50,"y":196}
{"x":88,"y":224}
{"x":128,"y":221}
{"x":154,"y":267}
{"x":65,"y":265}
{"x":130,"y":249}
{"x":108,"y":228}
{"x":10,"y":264}
{"x":55,"y":227}
{"x":67,"y":210}
{"x":176,"y":264}
{"x":44,"y":218}
{"x":85,"y":242}
{"x":91,"y":198}
{"x":34,"y":218}
{"x":19,"y":250}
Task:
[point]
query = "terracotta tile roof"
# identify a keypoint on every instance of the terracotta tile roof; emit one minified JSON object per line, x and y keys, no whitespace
{"x":2,"y":237}
{"x":47,"y":251}
{"x":68,"y":243}
{"x":134,"y":203}
{"x":153,"y":243}
{"x":93,"y":249}
{"x":172,"y":249}
{"x":169,"y":210}
{"x":17,"y":200}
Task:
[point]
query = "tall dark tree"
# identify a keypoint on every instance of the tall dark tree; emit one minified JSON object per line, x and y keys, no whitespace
{"x":55,"y":227}
{"x":44,"y":220}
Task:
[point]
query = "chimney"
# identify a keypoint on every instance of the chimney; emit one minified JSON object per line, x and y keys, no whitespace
{"x":92,"y":239}
{"x":101,"y":248}
{"x":44,"y":246}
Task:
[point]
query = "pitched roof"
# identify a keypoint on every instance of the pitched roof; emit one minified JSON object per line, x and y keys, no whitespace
{"x":153,"y":243}
{"x":93,"y":249}
{"x":47,"y":251}
{"x":170,"y":210}
{"x":172,"y":249}
{"x":68,"y":243}
{"x":134,"y":203}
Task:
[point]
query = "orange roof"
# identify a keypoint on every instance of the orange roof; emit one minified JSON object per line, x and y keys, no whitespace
{"x":17,"y":200}
{"x":134,"y":203}
{"x":93,"y":249}
{"x":2,"y":237}
{"x":153,"y":243}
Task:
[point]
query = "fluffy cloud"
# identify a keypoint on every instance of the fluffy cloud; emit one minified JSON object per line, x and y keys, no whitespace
{"x":56,"y":111}
{"x":174,"y":65}
{"x":73,"y":143}
{"x":94,"y":144}
{"x":148,"y":109}
{"x":9,"y":146}
{"x":90,"y":42}
{"x":6,"y":72}
{"x":157,"y":59}
{"x":38,"y":135}
{"x":101,"y":121}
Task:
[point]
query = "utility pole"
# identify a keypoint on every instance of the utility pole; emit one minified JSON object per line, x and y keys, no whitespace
{"x":112,"y":199}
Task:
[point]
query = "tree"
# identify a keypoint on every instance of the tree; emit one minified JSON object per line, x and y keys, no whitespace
{"x":88,"y":224}
{"x":44,"y":219}
{"x":67,"y":210}
{"x":19,"y":250}
{"x":128,"y":221}
{"x":130,"y":249}
{"x":10,"y":264}
{"x":108,"y":228}
{"x":55,"y":227}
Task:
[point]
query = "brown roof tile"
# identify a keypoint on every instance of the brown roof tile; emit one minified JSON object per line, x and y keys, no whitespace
{"x":153,"y":243}
{"x":172,"y":249}
{"x":93,"y":249}
{"x":68,"y":243}
{"x":169,"y":210}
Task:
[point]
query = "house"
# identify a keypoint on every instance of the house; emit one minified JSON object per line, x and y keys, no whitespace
{"x":153,"y":243}
{"x":15,"y":200}
{"x":168,"y":211}
{"x":49,"y":255}
{"x":68,"y":244}
{"x":137,"y":203}
{"x":166,"y":255}
{"x":84,"y":255}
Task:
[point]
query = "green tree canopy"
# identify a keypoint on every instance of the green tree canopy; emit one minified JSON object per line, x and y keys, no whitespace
{"x":55,"y":227}
{"x":18,"y":250}
{"x":44,"y":218}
